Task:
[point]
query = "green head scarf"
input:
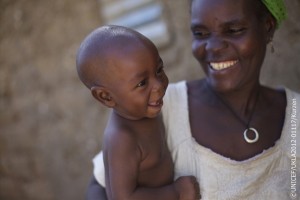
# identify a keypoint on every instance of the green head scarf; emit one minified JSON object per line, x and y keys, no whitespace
{"x":277,"y":9}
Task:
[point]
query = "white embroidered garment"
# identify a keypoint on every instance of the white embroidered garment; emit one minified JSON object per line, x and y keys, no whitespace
{"x":264,"y":177}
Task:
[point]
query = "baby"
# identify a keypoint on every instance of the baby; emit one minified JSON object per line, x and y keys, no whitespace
{"x":124,"y":71}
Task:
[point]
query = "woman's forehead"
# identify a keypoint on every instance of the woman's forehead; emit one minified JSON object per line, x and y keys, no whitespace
{"x":214,"y":6}
{"x":221,"y":10}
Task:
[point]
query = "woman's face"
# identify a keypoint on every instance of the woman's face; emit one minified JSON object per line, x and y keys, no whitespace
{"x":229,"y":41}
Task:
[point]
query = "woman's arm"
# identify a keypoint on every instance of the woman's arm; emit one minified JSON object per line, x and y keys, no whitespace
{"x":95,"y":191}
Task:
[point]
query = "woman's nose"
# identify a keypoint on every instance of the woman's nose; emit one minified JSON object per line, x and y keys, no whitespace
{"x":215,"y":43}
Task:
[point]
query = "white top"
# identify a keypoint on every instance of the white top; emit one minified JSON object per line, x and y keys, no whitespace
{"x":262,"y":177}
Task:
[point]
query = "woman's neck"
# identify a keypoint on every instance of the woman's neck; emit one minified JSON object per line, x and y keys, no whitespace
{"x":240,"y":101}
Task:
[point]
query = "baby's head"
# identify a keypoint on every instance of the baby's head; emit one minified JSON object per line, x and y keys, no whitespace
{"x":123,"y":70}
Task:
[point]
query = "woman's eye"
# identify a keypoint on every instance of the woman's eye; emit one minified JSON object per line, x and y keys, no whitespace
{"x":200,"y":33}
{"x":236,"y":31}
{"x":142,"y":83}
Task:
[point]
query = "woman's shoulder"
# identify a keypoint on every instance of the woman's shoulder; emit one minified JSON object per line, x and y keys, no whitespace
{"x":176,"y":91}
{"x":292,"y":94}
{"x":293,"y":104}
{"x":175,"y":96}
{"x":177,"y":86}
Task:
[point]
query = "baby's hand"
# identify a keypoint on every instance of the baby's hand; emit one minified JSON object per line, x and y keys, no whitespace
{"x":188,"y":188}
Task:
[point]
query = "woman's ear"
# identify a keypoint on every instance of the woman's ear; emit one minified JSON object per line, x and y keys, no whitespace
{"x":103,"y":95}
{"x":270,"y":27}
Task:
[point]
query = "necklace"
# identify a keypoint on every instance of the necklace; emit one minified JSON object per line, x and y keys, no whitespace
{"x":246,"y":124}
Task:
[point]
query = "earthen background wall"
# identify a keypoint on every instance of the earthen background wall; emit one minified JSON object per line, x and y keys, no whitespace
{"x":50,"y":126}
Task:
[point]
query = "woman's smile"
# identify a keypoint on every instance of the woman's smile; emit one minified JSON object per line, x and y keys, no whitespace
{"x":222,"y":65}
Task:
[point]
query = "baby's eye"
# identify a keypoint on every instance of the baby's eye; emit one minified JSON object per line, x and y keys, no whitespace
{"x":142,"y":83}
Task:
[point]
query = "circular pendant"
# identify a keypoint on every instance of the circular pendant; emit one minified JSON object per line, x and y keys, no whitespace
{"x":247,"y":138}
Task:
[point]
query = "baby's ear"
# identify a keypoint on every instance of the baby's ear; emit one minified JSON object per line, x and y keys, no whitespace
{"x":103,"y":95}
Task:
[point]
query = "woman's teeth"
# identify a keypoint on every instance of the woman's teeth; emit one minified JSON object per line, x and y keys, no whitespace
{"x":222,"y":65}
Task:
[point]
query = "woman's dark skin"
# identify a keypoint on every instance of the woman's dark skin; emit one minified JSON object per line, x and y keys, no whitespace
{"x":234,"y":35}
{"x":230,"y":31}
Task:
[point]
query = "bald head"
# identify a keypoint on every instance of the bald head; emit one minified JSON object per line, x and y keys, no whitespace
{"x":96,"y":52}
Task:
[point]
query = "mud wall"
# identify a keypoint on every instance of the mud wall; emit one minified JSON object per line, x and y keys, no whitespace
{"x":50,"y":126}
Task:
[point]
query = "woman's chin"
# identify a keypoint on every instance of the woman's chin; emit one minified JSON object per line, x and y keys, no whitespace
{"x":221,"y":86}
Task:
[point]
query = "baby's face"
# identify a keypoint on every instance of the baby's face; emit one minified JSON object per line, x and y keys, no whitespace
{"x":137,"y":81}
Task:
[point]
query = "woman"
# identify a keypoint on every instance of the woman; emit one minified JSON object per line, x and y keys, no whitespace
{"x":228,"y":130}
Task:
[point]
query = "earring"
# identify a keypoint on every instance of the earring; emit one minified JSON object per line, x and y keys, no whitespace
{"x":272,"y":46}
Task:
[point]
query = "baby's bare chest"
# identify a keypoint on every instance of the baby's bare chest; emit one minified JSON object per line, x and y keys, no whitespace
{"x":156,"y":168}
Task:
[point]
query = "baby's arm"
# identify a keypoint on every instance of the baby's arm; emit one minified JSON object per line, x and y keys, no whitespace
{"x":122,"y":157}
